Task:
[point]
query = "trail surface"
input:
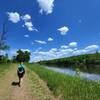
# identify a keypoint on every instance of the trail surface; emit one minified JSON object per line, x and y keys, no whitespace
{"x":32,"y":87}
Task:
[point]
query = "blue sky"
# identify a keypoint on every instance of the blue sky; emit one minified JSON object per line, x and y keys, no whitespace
{"x":51,"y":28}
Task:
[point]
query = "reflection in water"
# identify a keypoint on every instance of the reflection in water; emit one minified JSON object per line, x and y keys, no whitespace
{"x":67,"y":71}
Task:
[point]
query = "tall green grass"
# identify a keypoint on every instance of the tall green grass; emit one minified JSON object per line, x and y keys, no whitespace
{"x":3,"y":68}
{"x":67,"y":87}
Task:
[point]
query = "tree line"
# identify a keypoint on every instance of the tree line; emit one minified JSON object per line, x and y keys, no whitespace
{"x":86,"y":62}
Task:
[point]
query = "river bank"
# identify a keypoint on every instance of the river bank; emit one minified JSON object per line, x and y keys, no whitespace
{"x":67,"y":87}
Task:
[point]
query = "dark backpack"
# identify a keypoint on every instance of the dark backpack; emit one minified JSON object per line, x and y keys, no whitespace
{"x":21,"y":69}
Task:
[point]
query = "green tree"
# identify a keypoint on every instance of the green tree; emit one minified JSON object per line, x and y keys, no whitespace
{"x":23,"y":56}
{"x":27,"y":56}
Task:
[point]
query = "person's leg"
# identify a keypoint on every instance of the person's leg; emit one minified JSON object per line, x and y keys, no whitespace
{"x":19,"y":81}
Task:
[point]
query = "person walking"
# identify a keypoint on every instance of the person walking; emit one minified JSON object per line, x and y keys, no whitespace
{"x":21,"y":72}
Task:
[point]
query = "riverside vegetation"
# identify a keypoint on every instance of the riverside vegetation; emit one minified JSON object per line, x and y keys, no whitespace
{"x":67,"y":87}
{"x":86,"y":63}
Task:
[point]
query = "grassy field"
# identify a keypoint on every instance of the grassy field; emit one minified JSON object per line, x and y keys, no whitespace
{"x":67,"y":87}
{"x":3,"y":68}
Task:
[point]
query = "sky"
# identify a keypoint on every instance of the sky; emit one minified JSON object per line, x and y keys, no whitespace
{"x":51,"y":29}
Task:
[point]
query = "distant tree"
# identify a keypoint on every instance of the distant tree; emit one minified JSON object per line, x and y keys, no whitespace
{"x":23,"y":56}
{"x":27,"y":56}
{"x":4,"y":58}
{"x":20,"y":56}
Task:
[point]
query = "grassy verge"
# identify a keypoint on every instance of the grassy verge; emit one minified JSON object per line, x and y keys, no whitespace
{"x":67,"y":87}
{"x":4,"y":68}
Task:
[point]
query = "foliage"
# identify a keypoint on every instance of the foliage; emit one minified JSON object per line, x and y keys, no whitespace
{"x":3,"y":68}
{"x":4,"y":59}
{"x":84,"y":62}
{"x":22,"y":56}
{"x":68,"y":87}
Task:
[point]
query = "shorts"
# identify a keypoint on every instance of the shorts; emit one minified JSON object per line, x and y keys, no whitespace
{"x":20,"y":75}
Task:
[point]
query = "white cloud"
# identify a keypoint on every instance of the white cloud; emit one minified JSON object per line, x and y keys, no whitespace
{"x":53,"y":50}
{"x":64,"y":47}
{"x":26,"y":50}
{"x":50,"y":39}
{"x":63,"y":51}
{"x":26,"y":17}
{"x":29,"y":26}
{"x":41,"y":42}
{"x":92,"y":47}
{"x":26,"y":35}
{"x":63,"y":30}
{"x":46,"y":6}
{"x":13,"y":17}
{"x":78,"y":52}
{"x":73,"y":44}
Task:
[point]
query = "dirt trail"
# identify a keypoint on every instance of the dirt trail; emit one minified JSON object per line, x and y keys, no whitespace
{"x":9,"y":89}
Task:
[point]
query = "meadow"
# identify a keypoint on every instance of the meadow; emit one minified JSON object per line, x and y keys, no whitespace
{"x":4,"y":68}
{"x":67,"y":87}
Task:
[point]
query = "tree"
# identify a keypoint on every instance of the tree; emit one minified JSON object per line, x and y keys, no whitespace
{"x":23,"y":56}
{"x":20,"y":56}
{"x":27,"y":56}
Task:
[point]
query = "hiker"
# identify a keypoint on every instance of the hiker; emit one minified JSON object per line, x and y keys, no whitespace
{"x":21,"y":72}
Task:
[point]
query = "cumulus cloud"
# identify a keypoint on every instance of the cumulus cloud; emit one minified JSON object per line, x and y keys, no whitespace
{"x":29,"y":26}
{"x":50,"y":39}
{"x":28,"y":23}
{"x":73,"y":44}
{"x":26,"y":50}
{"x":26,"y":36}
{"x":40,"y":42}
{"x":26,"y":17}
{"x":63,"y":51}
{"x":92,"y":47}
{"x":53,"y":50}
{"x":14,"y":17}
{"x":64,"y":47}
{"x":63,"y":30}
{"x":46,"y":6}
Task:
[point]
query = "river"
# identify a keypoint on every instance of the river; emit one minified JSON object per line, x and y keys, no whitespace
{"x":68,"y":71}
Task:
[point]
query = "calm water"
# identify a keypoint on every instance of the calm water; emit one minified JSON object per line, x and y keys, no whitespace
{"x":67,"y":71}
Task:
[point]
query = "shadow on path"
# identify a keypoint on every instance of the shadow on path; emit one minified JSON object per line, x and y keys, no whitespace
{"x":15,"y":83}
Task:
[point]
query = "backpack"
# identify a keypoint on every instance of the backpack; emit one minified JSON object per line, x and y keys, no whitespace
{"x":21,"y":69}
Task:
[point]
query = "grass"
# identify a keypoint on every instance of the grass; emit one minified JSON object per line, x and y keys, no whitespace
{"x":4,"y":68}
{"x":68,"y":87}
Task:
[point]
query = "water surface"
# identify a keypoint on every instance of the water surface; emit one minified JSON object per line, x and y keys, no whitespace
{"x":68,"y":71}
